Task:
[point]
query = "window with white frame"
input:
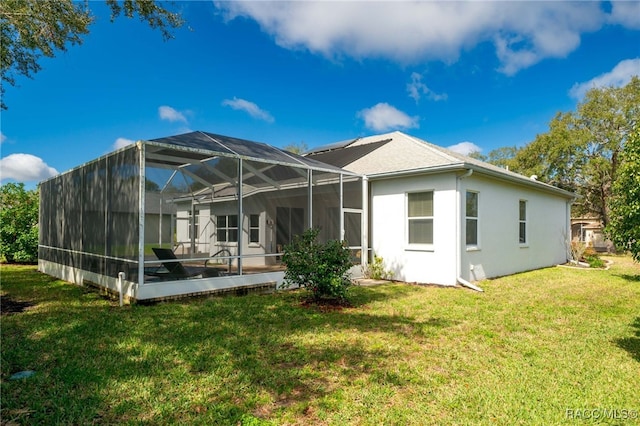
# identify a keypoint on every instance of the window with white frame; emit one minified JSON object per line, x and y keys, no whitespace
{"x":227,"y":228}
{"x":471,"y":216}
{"x":420,"y":218}
{"x":254,"y":228}
{"x":523,"y":222}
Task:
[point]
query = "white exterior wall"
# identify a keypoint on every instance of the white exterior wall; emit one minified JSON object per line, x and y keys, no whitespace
{"x":499,"y":251}
{"x":204,"y":226}
{"x":182,"y":227}
{"x":266,"y":244}
{"x":205,"y":229}
{"x":388,"y":216}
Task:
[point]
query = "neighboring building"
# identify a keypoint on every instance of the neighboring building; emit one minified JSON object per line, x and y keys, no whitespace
{"x":589,"y":230}
{"x":231,"y":205}
{"x":436,"y":216}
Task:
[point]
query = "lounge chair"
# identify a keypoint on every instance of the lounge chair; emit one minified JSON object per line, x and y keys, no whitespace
{"x":177,"y":270}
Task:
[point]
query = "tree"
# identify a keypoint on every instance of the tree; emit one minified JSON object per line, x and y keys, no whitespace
{"x":624,"y":205}
{"x":18,"y":223}
{"x":30,"y":29}
{"x":297,"y":148}
{"x":581,"y":150}
{"x":501,"y":157}
{"x":552,"y":156}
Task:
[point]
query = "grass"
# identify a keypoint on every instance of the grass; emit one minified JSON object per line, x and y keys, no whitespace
{"x":524,"y":352}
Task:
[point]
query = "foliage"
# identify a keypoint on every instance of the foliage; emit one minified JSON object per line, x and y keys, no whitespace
{"x":501,"y":157}
{"x":375,"y":269}
{"x":18,"y":223}
{"x":320,"y":268}
{"x":581,"y":150}
{"x":624,"y":226}
{"x":30,"y":29}
{"x":297,"y":148}
{"x":402,"y":355}
{"x":594,"y":261}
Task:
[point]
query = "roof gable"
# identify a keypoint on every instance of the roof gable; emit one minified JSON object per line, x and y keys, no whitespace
{"x":386,"y":153}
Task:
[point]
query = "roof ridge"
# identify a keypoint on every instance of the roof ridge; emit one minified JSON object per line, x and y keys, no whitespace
{"x":448,"y":154}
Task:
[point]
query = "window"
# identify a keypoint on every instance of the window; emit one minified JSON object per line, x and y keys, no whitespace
{"x":471,"y":214}
{"x":227,"y":228}
{"x":420,"y":217}
{"x":523,"y":222}
{"x":254,"y":228}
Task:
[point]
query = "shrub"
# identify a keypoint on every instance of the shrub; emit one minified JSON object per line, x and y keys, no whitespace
{"x":18,"y":223}
{"x":594,"y":260}
{"x":590,"y":252}
{"x":321,"y":268}
{"x":375,"y":270}
{"x":577,"y":250}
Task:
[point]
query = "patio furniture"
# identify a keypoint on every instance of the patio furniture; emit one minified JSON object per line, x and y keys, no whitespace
{"x":177,"y":270}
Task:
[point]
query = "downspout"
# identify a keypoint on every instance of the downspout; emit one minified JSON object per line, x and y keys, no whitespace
{"x":459,"y":278}
{"x":364,"y":224}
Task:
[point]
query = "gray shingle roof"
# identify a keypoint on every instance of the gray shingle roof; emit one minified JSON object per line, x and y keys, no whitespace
{"x":402,"y":153}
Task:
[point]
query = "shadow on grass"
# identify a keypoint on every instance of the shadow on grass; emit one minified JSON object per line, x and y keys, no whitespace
{"x":629,"y":277}
{"x":214,"y":360}
{"x":632,"y":344}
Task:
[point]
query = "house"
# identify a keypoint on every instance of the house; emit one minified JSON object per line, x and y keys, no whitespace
{"x":436,"y":216}
{"x":200,"y":212}
{"x":589,"y":231}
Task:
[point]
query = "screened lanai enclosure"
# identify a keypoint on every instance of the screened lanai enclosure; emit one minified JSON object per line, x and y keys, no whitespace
{"x":191,"y":214}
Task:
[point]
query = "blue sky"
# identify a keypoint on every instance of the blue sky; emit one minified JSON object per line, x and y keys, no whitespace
{"x":476,"y":75}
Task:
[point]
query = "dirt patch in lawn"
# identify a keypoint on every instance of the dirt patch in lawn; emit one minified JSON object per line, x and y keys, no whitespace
{"x":10,"y":306}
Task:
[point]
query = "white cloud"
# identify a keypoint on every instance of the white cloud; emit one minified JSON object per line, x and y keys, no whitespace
{"x":626,"y":13}
{"x":465,"y":148}
{"x":122,"y":142}
{"x":249,"y":107}
{"x":383,"y":117}
{"x":619,"y":76}
{"x":170,"y":114}
{"x":2,"y":137}
{"x":25,"y":168}
{"x":417,"y":88}
{"x":523,"y":33}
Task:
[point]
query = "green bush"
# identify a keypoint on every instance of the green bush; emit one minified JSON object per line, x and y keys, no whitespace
{"x":594,"y":260}
{"x":18,"y":223}
{"x":321,"y":268}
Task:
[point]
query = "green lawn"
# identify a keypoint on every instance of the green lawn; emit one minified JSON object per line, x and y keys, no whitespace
{"x":533,"y":346}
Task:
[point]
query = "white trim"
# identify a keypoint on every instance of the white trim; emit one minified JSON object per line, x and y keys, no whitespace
{"x":524,"y":243}
{"x":419,"y":246}
{"x":477,"y":245}
{"x":85,"y":253}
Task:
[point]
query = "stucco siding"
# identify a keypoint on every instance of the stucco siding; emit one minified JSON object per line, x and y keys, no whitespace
{"x":388,"y":213}
{"x":499,"y":251}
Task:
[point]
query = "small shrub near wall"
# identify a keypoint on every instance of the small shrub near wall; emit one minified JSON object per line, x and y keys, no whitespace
{"x":577,"y":250}
{"x":376,"y":271}
{"x":591,"y":257}
{"x":320,"y":268}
